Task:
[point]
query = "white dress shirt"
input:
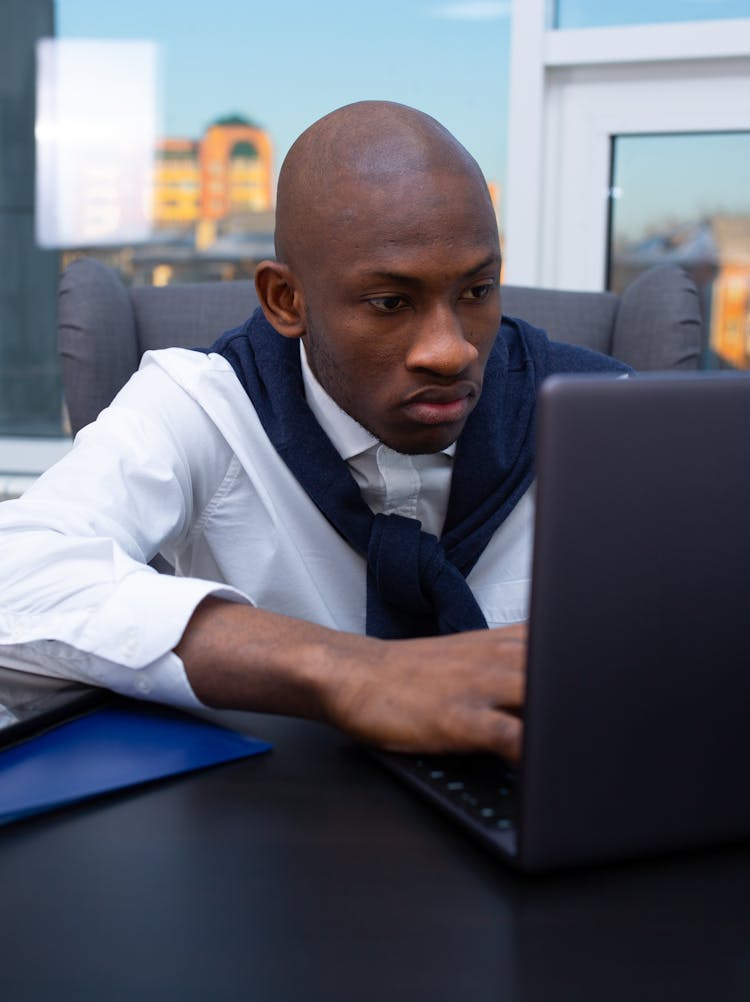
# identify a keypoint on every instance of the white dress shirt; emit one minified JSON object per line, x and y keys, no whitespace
{"x":180,"y":464}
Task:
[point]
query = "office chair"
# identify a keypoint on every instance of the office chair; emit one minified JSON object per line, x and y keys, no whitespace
{"x":105,"y":326}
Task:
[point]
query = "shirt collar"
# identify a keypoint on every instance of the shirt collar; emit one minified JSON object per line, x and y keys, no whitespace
{"x":347,"y":435}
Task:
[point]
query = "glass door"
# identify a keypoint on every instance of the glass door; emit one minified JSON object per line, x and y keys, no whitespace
{"x":684,"y":198}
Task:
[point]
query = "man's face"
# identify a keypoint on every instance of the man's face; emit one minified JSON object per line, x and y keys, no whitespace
{"x":402,"y":305}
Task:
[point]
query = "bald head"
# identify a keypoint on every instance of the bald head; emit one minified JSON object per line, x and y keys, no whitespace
{"x":388,"y":270}
{"x":356,"y":152}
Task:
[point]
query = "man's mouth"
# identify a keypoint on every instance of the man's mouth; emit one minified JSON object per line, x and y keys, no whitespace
{"x":441,"y":405}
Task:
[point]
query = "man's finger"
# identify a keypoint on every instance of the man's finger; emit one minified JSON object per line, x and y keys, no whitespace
{"x":503,"y":735}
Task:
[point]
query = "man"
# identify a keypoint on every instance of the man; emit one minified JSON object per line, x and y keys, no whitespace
{"x":302,"y":477}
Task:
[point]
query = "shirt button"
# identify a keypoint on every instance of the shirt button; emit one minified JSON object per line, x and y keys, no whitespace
{"x":143,"y":685}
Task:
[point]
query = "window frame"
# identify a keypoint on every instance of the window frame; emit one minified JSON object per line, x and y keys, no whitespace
{"x":571,"y":91}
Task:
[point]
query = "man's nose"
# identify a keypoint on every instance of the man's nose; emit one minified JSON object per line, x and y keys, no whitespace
{"x":439,"y":344}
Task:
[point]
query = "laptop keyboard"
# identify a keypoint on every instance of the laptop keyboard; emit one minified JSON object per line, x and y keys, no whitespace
{"x":483,"y":788}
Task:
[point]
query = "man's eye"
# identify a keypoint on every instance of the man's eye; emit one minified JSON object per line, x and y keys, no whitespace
{"x":478,"y":292}
{"x":388,"y":304}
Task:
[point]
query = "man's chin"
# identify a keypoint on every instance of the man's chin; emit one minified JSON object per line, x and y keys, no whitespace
{"x":423,"y":441}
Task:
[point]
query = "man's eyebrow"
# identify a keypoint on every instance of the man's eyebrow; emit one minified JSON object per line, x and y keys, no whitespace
{"x":490,"y":259}
{"x":396,"y":276}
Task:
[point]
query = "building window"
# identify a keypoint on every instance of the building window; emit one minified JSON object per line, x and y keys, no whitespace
{"x":596,"y":14}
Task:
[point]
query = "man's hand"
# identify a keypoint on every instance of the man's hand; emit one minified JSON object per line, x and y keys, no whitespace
{"x":459,"y":693}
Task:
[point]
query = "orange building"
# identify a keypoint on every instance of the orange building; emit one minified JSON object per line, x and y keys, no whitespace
{"x":730,"y":294}
{"x":228,"y":171}
{"x":177,"y":182}
{"x":236,"y":168}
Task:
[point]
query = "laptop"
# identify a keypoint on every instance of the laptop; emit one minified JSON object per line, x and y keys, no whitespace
{"x":637,"y":718}
{"x":31,"y":704}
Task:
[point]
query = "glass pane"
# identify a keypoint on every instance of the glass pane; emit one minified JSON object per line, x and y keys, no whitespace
{"x":237,"y":83}
{"x":685,"y":199}
{"x":594,"y":13}
{"x":237,"y":90}
{"x":30,"y":393}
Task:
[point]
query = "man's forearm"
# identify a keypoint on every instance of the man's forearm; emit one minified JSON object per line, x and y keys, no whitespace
{"x":435,"y":694}
{"x":240,"y":657}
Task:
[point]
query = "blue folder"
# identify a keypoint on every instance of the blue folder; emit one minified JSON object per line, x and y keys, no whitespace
{"x":110,"y":749}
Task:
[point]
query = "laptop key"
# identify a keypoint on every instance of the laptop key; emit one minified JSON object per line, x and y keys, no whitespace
{"x":481,"y":786}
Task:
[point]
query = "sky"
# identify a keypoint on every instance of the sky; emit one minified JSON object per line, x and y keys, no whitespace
{"x":719,"y":169}
{"x":285,"y":65}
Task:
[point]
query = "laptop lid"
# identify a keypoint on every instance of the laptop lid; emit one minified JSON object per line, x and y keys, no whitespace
{"x":635,"y":734}
{"x":30,"y":704}
{"x":636,"y":724}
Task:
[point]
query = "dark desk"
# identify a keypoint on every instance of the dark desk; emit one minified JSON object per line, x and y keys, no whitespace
{"x":309,"y":874}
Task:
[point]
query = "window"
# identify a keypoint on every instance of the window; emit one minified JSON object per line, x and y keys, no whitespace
{"x":231,"y":84}
{"x":595,"y":13}
{"x":576,"y":89}
{"x":684,"y":198}
{"x":30,"y":393}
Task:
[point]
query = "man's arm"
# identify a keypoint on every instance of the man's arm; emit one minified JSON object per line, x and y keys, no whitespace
{"x":78,"y":601}
{"x":435,"y":694}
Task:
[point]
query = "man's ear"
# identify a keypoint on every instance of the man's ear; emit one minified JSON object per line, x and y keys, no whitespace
{"x":280,"y":298}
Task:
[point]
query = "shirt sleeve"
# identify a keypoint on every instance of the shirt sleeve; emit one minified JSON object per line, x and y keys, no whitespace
{"x":78,"y":599}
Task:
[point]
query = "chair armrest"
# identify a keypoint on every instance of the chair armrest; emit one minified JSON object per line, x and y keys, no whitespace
{"x":659,"y":323}
{"x":96,"y":337}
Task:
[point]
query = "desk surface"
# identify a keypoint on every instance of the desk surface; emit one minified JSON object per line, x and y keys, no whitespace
{"x":310,"y":874}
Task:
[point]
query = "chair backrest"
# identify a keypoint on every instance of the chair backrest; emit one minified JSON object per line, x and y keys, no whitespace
{"x":105,"y":326}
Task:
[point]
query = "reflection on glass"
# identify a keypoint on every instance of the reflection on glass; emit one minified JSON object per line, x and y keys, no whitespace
{"x":212,"y":208}
{"x":685,"y":199}
{"x":94,"y":144}
{"x":595,"y":14}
